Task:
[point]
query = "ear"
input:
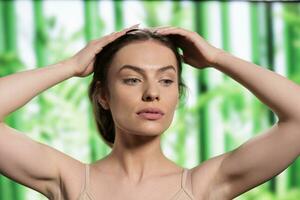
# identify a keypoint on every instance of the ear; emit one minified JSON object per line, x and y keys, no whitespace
{"x":101,"y":97}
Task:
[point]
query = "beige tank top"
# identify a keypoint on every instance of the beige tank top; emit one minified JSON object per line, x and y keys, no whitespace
{"x":184,"y":193}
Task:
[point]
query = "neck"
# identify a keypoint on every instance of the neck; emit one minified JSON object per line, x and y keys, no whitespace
{"x":137,"y":157}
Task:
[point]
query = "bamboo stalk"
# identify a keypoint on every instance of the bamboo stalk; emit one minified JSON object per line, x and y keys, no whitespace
{"x":97,"y":147}
{"x":2,"y":39}
{"x":225,"y":27}
{"x":204,"y":139}
{"x":12,"y":189}
{"x":119,"y":15}
{"x":291,"y":58}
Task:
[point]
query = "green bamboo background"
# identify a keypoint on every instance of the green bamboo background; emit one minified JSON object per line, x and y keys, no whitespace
{"x":218,"y":114}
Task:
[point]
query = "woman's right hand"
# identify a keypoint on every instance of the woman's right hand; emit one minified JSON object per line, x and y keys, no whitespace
{"x":83,"y":61}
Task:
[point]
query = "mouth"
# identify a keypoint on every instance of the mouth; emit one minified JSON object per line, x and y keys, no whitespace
{"x":150,"y":115}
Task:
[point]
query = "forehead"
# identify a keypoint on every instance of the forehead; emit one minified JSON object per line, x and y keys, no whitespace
{"x":149,"y":55}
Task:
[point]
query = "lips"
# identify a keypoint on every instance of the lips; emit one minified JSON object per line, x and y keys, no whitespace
{"x":151,"y":113}
{"x":151,"y":110}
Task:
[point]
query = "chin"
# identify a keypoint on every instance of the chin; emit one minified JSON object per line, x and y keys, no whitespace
{"x":148,"y":131}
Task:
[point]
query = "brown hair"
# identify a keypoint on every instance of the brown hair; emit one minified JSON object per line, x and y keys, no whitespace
{"x":98,"y":85}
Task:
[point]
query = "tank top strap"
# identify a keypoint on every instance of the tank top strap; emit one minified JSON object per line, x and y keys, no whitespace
{"x":86,"y":178}
{"x":183,"y":177}
{"x":188,"y":180}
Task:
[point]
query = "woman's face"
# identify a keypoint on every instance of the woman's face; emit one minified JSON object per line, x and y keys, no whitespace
{"x":144,"y":88}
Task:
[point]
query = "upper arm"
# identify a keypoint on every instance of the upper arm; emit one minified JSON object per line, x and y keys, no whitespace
{"x":251,"y":164}
{"x":28,"y":162}
{"x":207,"y":181}
{"x":260,"y":158}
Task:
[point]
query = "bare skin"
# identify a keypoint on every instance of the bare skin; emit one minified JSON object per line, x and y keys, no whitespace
{"x":135,"y":171}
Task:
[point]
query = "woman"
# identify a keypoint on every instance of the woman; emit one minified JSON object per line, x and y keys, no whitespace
{"x":134,"y":92}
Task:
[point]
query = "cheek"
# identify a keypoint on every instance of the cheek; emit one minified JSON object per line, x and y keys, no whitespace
{"x":171,"y":95}
{"x":123,"y":100}
{"x":171,"y":107}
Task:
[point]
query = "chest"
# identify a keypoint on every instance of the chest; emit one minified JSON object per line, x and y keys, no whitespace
{"x":109,"y":188}
{"x":164,"y":187}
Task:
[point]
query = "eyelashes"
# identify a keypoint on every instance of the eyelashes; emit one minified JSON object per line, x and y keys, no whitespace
{"x":133,"y":81}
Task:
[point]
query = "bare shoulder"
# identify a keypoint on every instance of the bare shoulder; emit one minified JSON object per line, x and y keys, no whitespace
{"x":208,"y":180}
{"x":71,"y":176}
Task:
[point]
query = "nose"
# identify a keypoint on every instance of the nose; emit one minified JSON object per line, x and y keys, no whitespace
{"x":151,"y":93}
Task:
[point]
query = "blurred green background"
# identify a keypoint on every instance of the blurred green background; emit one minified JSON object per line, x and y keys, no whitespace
{"x":218,"y":114}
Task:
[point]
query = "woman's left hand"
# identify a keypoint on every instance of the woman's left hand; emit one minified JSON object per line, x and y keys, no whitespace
{"x":197,"y":52}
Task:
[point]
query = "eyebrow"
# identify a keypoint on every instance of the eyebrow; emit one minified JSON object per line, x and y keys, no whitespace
{"x":142,"y":71}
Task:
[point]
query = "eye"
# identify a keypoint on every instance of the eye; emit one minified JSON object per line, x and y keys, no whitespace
{"x":168,"y":81}
{"x":130,"y":81}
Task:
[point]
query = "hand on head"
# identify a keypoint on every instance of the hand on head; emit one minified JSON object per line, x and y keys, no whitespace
{"x":83,"y":61}
{"x":197,"y":52}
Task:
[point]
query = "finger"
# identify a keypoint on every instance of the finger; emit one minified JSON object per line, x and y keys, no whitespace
{"x":98,"y":48}
{"x":91,"y":65}
{"x":173,"y":30}
{"x":109,"y":38}
{"x":168,"y":29}
{"x":178,"y":34}
{"x":134,"y":26}
{"x":159,"y":28}
{"x":129,"y":28}
{"x":119,"y":33}
{"x":112,"y":36}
